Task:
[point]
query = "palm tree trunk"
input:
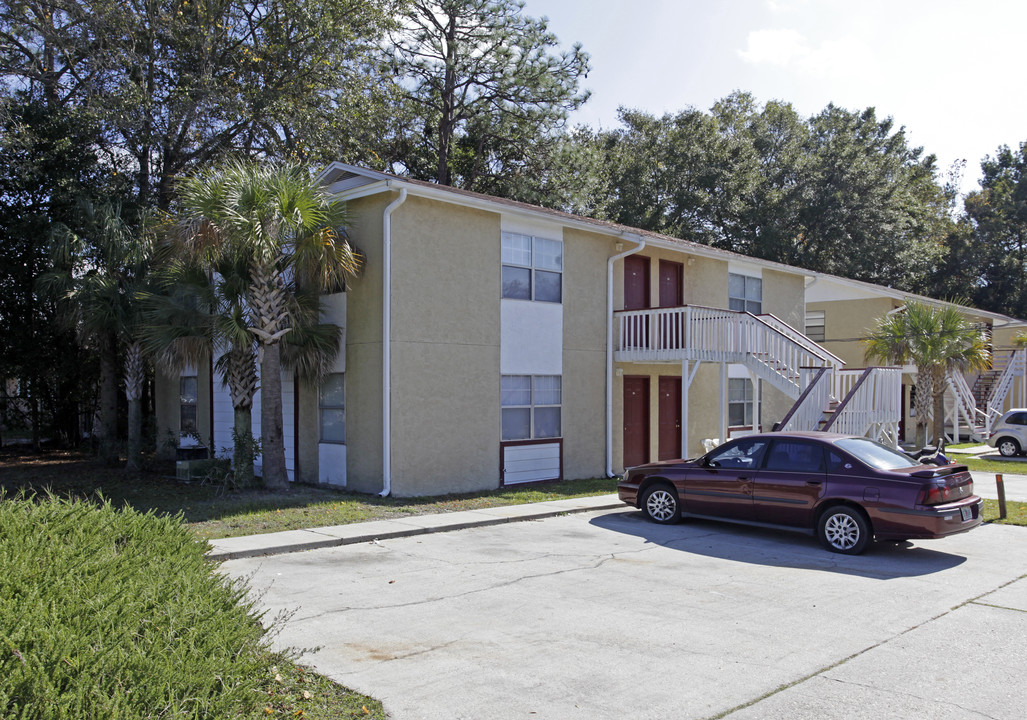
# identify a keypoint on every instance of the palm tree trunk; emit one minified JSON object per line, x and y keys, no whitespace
{"x":135,"y":375}
{"x":272,"y":439}
{"x":242,"y":446}
{"x":940,"y":386}
{"x":923,"y":404}
{"x":108,"y":434}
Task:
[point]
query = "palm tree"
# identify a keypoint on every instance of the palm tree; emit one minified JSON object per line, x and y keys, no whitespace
{"x":287,"y":230}
{"x":99,"y":275}
{"x":937,"y":341}
{"x":194,"y":313}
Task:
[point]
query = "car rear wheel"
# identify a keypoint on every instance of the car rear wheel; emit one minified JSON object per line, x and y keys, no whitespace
{"x":1008,"y":447}
{"x":660,"y":504}
{"x":844,"y":530}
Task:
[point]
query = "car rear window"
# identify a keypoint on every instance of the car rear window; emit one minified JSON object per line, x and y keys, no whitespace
{"x":875,"y":454}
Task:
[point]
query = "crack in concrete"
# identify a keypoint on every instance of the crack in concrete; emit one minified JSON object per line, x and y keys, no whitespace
{"x":970,"y":711}
{"x":843,"y":661}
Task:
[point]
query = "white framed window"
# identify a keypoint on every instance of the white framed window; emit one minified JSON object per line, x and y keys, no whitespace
{"x":188,"y":396}
{"x":531,"y":406}
{"x":532,"y":268}
{"x":331,"y":408}
{"x":740,"y":402}
{"x":745,"y":293}
{"x":815,"y":325}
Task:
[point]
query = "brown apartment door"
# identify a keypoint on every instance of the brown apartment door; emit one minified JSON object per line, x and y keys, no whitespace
{"x":671,"y":294}
{"x":670,"y":418}
{"x":636,"y":421}
{"x":636,"y":282}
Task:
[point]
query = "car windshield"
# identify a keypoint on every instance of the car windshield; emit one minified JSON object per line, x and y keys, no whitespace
{"x":875,"y":454}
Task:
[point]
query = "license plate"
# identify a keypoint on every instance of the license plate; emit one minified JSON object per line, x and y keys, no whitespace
{"x":966,"y":512}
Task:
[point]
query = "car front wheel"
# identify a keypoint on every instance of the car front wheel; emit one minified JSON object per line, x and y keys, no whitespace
{"x":660,"y":504}
{"x":844,"y":530}
{"x":1008,"y":447}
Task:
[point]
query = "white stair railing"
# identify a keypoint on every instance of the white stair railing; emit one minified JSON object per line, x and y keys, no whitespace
{"x":965,"y":407}
{"x":872,"y":406}
{"x":995,"y":405}
{"x":771,"y":349}
{"x":808,"y":411}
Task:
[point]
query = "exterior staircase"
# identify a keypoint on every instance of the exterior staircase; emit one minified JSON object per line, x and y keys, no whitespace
{"x":828,"y":397}
{"x":978,"y":408}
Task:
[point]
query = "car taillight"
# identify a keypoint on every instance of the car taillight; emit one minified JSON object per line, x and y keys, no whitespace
{"x":934,"y":494}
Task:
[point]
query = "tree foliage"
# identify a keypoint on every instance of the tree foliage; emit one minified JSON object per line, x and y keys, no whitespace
{"x":485,"y":90}
{"x":995,"y":253}
{"x":174,"y":84}
{"x":840,"y":192}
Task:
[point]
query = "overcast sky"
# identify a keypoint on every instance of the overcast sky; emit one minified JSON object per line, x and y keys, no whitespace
{"x":950,"y":71}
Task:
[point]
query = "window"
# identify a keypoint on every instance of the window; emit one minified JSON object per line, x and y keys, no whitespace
{"x":187,"y":398}
{"x":739,"y":402}
{"x":331,"y":407}
{"x":795,"y":456}
{"x":745,"y":453}
{"x":532,"y":268}
{"x":815,"y":325}
{"x":531,"y":406}
{"x":745,"y":293}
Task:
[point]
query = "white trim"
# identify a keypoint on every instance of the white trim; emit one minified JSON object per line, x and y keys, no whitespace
{"x":387,"y":343}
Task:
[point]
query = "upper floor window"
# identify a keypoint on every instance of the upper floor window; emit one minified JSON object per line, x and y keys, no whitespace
{"x":331,"y":406}
{"x":745,"y":293}
{"x":532,"y":268}
{"x":815,"y":325}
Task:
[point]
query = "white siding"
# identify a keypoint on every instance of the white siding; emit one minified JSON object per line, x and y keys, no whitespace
{"x":531,"y":338}
{"x":531,"y":463}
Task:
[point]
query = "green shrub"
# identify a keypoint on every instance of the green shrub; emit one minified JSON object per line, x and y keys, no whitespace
{"x":110,"y":613}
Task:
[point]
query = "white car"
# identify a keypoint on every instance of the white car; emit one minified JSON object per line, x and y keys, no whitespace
{"x":1009,"y":434}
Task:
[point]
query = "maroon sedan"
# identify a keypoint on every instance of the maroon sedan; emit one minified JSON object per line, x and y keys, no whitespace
{"x":848,"y":490}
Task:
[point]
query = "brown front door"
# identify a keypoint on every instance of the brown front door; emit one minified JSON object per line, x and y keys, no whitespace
{"x":636,"y":282}
{"x":636,"y":421}
{"x":670,"y":418}
{"x":671,"y":294}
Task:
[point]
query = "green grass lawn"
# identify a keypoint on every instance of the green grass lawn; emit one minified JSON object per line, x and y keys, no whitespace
{"x":213,"y":514}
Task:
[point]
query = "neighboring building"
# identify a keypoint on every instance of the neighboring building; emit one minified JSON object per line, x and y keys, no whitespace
{"x":526,"y":344}
{"x":840,"y":312}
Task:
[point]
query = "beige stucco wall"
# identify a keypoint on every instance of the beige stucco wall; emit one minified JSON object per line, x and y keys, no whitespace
{"x":306,"y":439}
{"x":584,"y":353}
{"x":846,"y":321}
{"x":364,"y":350}
{"x":445,"y":352}
{"x":706,"y":284}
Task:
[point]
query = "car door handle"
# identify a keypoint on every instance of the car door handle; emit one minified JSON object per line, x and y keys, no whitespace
{"x":814,"y":482}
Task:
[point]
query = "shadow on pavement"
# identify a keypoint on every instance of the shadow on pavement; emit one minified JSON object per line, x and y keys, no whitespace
{"x":759,"y":546}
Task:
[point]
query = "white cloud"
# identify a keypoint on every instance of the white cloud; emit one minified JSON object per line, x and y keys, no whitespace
{"x":774,"y":47}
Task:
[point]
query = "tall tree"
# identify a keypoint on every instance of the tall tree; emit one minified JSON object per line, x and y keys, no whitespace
{"x":46,"y":157}
{"x":762,"y":181}
{"x":281,"y":223}
{"x":99,"y":272}
{"x":175,"y":84}
{"x":484,"y":85}
{"x":997,"y":217}
{"x":935,"y":340}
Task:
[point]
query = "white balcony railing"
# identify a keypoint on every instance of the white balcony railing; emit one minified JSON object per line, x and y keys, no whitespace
{"x":775,"y":351}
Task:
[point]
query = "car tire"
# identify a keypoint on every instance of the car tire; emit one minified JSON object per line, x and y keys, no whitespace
{"x":1008,"y":447}
{"x":845,"y":530}
{"x":660,"y":504}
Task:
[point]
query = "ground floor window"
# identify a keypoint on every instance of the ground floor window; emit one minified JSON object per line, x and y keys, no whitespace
{"x":740,"y":402}
{"x":531,"y":406}
{"x":188,"y":395}
{"x":331,"y":406}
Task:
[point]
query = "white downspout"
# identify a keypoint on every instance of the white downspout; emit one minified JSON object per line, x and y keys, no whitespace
{"x":387,"y":342}
{"x":609,"y":352}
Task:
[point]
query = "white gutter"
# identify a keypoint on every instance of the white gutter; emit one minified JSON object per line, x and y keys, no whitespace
{"x":609,"y":351}
{"x":387,"y":343}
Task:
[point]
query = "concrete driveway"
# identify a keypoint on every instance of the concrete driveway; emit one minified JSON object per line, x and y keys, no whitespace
{"x":603,"y":615}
